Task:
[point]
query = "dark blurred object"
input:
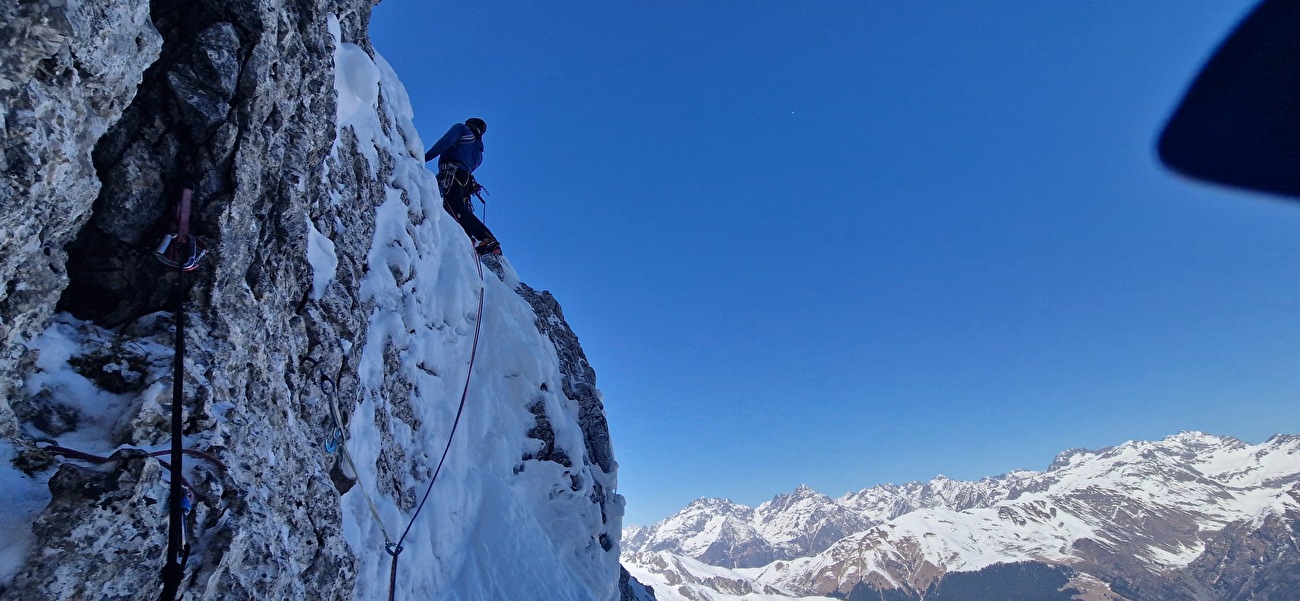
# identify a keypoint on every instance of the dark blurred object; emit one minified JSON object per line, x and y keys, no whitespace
{"x":1240,"y":121}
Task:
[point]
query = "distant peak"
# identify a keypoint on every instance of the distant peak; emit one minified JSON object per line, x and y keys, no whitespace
{"x":1281,"y":439}
{"x":1067,"y":457}
{"x":713,"y":503}
{"x":1191,"y":435}
{"x":803,"y":491}
{"x":1196,"y":437}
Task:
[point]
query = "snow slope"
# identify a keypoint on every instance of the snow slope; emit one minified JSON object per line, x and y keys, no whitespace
{"x":496,"y":526}
{"x":677,"y":578}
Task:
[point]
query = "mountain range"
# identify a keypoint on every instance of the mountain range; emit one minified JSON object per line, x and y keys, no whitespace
{"x":1194,"y":516}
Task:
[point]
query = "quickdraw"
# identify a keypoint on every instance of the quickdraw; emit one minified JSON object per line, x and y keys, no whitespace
{"x":180,"y":250}
{"x":334,"y":441}
{"x":171,"y":251}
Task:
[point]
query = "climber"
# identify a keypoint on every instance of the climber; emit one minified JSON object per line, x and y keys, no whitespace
{"x":459,"y":153}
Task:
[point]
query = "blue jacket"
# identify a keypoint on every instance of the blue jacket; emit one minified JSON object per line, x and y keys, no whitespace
{"x":459,"y":145}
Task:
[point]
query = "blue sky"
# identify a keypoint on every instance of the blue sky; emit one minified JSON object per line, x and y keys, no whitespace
{"x":848,"y":243}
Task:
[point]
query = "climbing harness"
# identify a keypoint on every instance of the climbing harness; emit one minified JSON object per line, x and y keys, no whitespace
{"x":446,"y":177}
{"x":178,"y":548}
{"x":338,"y":438}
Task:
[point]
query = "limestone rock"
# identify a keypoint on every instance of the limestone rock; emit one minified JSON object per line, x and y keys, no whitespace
{"x":67,"y":72}
{"x":111,"y":108}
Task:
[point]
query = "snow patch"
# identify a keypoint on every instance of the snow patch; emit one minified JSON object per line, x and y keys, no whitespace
{"x":356,"y":82}
{"x":25,"y":497}
{"x":323,"y":260}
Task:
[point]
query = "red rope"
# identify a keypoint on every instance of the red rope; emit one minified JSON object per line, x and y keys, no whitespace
{"x":183,"y":217}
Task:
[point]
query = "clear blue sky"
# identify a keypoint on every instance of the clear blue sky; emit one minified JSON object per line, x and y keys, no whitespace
{"x":846,"y":243}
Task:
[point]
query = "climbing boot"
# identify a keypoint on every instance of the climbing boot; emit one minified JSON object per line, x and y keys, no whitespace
{"x":488,"y":247}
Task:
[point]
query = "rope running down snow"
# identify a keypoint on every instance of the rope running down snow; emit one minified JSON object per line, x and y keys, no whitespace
{"x":478,"y":323}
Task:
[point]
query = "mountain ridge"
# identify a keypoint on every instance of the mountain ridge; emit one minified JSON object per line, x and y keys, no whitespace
{"x":1123,"y":515}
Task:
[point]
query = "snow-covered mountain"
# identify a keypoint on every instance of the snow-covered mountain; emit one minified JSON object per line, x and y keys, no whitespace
{"x":888,"y":501}
{"x":1193,"y":516}
{"x":806,"y":522}
{"x":803,"y":522}
{"x":715,"y":531}
{"x":719,"y":532}
{"x":334,"y":279}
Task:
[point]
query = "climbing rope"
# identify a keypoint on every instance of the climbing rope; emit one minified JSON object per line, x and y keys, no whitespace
{"x":338,"y":439}
{"x":464,"y":394}
{"x":178,"y":548}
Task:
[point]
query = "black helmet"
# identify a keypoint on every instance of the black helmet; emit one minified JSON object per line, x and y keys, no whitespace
{"x":476,"y":124}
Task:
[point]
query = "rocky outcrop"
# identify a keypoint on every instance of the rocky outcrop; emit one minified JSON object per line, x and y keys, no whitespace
{"x":579,"y":385}
{"x":631,"y":590}
{"x":110,"y":110}
{"x":234,"y":100}
{"x":579,"y":377}
{"x":1262,"y":562}
{"x":68,"y":70}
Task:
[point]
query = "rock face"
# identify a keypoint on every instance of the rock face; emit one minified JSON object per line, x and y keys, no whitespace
{"x":237,"y":105}
{"x":68,"y":70}
{"x":333,"y":278}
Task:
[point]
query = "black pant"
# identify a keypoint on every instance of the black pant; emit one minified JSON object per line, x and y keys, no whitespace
{"x":457,"y":200}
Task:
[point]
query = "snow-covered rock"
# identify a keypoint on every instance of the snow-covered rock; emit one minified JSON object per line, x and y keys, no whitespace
{"x":335,"y":279}
{"x":68,"y":70}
